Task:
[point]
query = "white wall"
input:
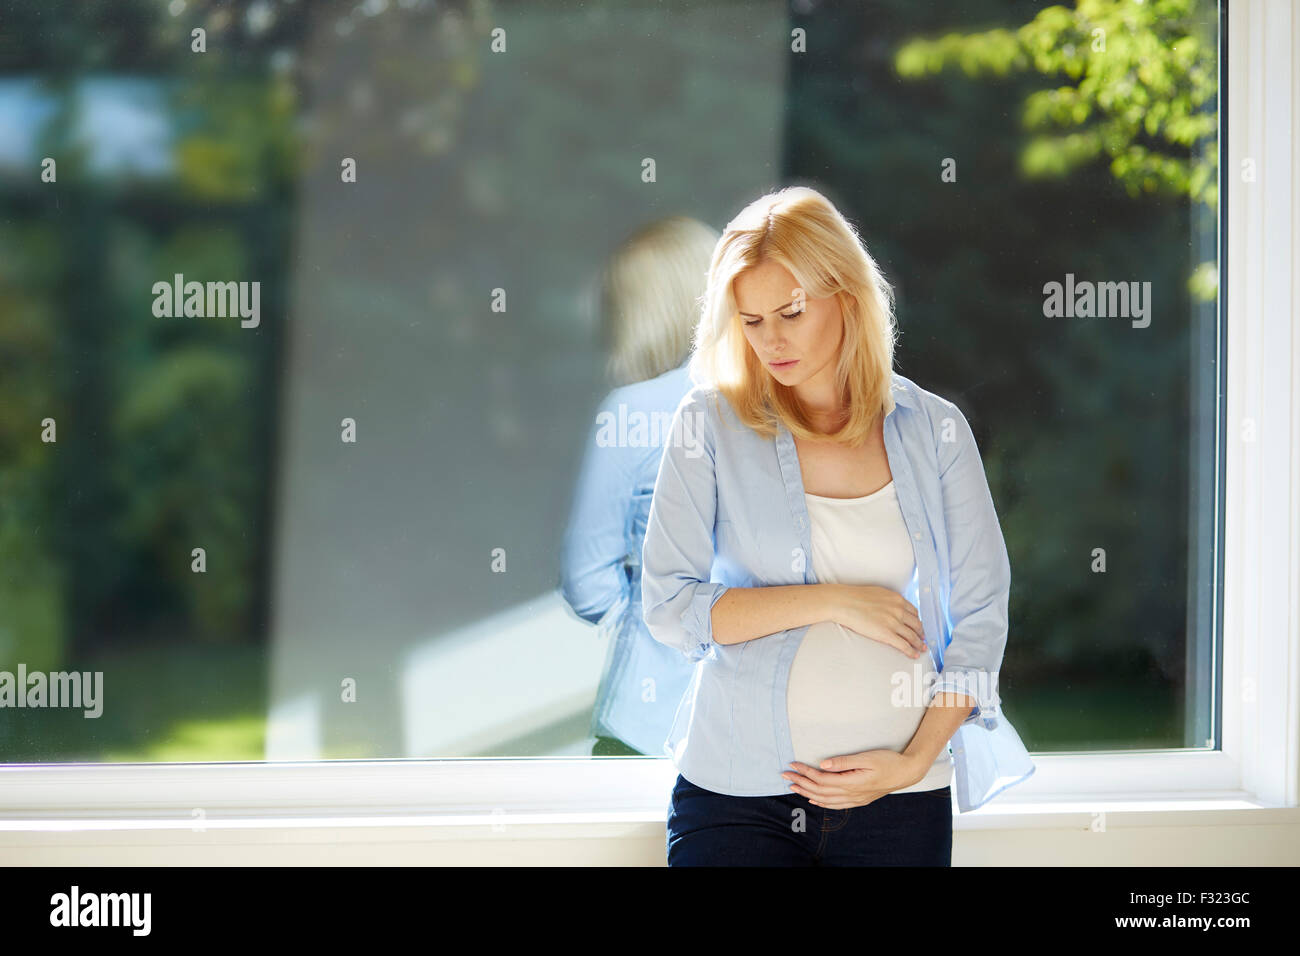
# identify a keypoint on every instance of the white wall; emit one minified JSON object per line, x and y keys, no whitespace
{"x":1193,"y":838}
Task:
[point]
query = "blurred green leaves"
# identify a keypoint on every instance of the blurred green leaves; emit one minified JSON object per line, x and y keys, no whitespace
{"x":1142,"y":93}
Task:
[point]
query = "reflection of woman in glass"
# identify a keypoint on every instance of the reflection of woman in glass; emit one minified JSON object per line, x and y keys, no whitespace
{"x":823,"y":542}
{"x":650,"y":294}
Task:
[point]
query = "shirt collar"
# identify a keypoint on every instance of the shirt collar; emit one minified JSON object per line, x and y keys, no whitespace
{"x":900,"y":393}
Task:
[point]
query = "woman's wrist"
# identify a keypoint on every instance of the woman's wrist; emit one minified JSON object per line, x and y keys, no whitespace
{"x":831,"y":599}
{"x":917,"y":766}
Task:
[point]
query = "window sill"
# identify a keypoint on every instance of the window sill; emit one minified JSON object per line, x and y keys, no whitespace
{"x":1076,"y":815}
{"x":485,"y":798}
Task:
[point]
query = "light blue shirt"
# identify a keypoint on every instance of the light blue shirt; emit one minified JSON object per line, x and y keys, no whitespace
{"x":600,"y":562}
{"x":729,"y":511}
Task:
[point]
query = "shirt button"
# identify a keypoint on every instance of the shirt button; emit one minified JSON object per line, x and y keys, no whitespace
{"x":926,"y":589}
{"x":917,"y":536}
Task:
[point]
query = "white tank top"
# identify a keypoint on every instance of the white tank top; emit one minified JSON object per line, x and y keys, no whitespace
{"x":843,"y":696}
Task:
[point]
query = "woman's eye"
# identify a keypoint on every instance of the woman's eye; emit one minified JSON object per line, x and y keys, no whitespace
{"x":784,"y":315}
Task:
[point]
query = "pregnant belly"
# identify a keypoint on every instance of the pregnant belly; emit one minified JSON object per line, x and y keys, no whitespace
{"x":848,"y":693}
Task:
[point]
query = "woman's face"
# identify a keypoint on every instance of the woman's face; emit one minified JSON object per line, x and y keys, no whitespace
{"x":796,"y":348}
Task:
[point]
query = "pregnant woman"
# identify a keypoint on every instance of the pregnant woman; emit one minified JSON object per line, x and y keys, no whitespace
{"x":823,"y":543}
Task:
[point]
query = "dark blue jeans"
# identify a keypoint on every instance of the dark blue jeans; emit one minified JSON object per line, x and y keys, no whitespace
{"x":898,"y":829}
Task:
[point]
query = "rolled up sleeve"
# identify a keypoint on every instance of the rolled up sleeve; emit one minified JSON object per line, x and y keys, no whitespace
{"x":980,"y":574}
{"x":677,"y":553}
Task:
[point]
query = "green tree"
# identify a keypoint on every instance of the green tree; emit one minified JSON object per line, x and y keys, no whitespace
{"x":1140,"y":89}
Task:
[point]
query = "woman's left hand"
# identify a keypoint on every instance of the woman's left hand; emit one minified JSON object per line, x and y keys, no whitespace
{"x":853,"y":780}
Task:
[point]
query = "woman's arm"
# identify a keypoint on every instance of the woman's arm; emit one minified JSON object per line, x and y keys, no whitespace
{"x":677,"y":596}
{"x":833,"y":784}
{"x":592,"y":579}
{"x":743,"y":614}
{"x":945,"y":714}
{"x":979,"y":575}
{"x":877,"y":613}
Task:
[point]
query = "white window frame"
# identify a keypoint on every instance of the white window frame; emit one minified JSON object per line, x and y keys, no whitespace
{"x":1257,"y":768}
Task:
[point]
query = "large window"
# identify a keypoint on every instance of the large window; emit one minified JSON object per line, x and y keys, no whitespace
{"x":326,"y":521}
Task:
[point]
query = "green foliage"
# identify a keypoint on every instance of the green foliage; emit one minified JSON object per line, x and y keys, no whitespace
{"x":1141,"y":91}
{"x":177,"y":429}
{"x":31,"y":586}
{"x":31,"y":591}
{"x":245,"y":134}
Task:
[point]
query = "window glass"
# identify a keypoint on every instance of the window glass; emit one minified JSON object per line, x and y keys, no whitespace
{"x":308,"y":310}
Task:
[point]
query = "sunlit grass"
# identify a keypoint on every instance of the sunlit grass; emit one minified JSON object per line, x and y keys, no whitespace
{"x":234,"y":738}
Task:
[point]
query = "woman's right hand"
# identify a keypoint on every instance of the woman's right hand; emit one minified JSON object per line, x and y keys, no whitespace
{"x":879,"y":614}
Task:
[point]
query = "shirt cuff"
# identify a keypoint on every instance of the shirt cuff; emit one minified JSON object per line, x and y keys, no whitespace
{"x":697,"y":619}
{"x":974,"y":683}
{"x":608,"y":624}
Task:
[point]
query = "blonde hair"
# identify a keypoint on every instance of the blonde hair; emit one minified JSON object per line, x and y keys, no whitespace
{"x":650,"y":295}
{"x":801,"y":230}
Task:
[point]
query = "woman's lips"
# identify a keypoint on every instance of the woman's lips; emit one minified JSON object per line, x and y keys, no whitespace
{"x":788,"y":363}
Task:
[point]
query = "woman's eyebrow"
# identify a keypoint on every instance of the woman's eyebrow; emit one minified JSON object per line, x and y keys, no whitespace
{"x":779,"y":308}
